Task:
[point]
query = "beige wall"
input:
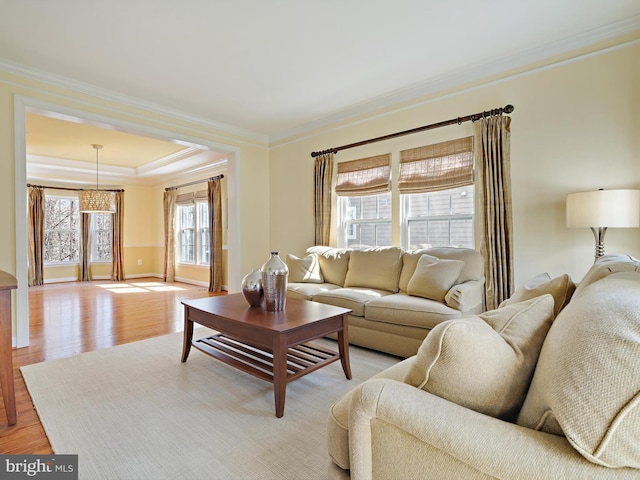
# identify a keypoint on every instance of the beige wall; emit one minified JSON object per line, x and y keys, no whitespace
{"x":576,"y":127}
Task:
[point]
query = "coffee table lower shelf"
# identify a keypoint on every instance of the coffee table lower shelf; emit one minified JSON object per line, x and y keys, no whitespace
{"x":301,"y":359}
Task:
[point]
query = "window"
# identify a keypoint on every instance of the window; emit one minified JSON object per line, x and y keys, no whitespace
{"x":441,"y":218}
{"x":61,"y":230}
{"x":186,"y":240}
{"x":204,"y":248}
{"x":365,"y":202}
{"x":101,"y":245}
{"x":193,"y":229}
{"x":436,"y":187}
{"x":366,"y":220}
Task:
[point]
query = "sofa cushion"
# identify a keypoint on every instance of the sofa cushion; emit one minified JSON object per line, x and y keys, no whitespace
{"x":353,"y":298}
{"x":333,"y":263}
{"x":377,"y":268}
{"x":306,"y":291}
{"x":561,"y":288}
{"x":433,"y":277}
{"x":304,"y":270}
{"x":587,"y":381}
{"x":403,"y":309}
{"x":485,"y":362}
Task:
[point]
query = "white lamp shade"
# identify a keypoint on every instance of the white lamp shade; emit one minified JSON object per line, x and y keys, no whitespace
{"x":97,"y":201}
{"x":604,"y":208}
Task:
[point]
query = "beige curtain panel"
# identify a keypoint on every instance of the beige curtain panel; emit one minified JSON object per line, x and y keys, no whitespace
{"x":366,"y":176}
{"x":322,"y":178}
{"x":169,"y":203}
{"x":85,"y":258}
{"x":494,"y":221}
{"x":440,"y":166}
{"x":36,"y":236}
{"x":117,"y":252}
{"x":214,"y":195}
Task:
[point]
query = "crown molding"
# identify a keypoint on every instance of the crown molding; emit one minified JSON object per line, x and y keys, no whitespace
{"x":47,"y":169}
{"x":108,"y":95}
{"x":168,"y":161}
{"x":464,"y":76}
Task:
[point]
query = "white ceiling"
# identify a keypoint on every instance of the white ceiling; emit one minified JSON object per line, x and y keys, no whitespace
{"x":274,"y":68}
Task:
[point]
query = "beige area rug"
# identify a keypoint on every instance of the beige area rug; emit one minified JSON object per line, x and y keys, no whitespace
{"x":136,"y":412}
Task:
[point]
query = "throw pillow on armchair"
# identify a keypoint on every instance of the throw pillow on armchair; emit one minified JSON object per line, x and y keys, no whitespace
{"x":485,"y":362}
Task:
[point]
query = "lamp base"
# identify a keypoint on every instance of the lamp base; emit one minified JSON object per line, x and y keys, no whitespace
{"x":598,"y":234}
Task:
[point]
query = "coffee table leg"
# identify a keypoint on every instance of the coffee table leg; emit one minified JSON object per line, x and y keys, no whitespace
{"x":279,"y":376}
{"x":343,"y":348}
{"x":187,"y":336}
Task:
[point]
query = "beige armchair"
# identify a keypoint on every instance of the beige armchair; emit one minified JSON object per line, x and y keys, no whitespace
{"x":577,"y":416}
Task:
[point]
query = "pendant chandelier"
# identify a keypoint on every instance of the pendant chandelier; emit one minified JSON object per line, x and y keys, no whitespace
{"x":97,"y":201}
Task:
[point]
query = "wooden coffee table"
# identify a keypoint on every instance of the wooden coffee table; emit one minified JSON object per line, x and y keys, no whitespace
{"x":269,"y":345}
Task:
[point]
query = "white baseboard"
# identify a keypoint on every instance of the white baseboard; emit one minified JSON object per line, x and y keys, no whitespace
{"x":60,"y":280}
{"x":143,"y":275}
{"x":137,"y":275}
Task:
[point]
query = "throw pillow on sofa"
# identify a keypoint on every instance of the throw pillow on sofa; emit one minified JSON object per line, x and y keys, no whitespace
{"x":485,"y":362}
{"x":434,"y":277}
{"x":333,"y":263}
{"x":304,"y":270}
{"x":562,"y":288}
{"x":409,"y":263}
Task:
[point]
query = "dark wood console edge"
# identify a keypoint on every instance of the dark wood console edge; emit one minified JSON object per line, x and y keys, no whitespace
{"x":7,"y":283}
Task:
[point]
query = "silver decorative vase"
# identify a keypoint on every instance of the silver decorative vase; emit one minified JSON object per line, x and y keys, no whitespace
{"x":274,"y":283}
{"x":252,"y":288}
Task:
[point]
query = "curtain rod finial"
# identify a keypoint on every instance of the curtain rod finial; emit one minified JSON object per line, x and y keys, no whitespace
{"x":509,"y":109}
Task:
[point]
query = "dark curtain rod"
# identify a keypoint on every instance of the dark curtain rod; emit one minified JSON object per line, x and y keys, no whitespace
{"x":74,"y":189}
{"x":193,"y":183}
{"x":453,"y":121}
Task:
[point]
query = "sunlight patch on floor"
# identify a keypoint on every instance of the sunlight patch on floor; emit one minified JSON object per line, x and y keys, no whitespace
{"x":129,"y":290}
{"x":140,"y":287}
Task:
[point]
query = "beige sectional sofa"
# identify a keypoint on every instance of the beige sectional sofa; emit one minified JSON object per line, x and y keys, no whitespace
{"x":396,"y":297}
{"x":515,"y":393}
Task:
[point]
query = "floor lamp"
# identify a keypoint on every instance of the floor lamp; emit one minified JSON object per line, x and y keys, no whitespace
{"x":602,"y":209}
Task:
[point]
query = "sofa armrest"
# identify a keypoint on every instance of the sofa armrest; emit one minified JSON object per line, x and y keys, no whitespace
{"x":467,"y":296}
{"x":399,"y":431}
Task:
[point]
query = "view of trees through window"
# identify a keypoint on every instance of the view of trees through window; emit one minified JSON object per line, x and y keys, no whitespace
{"x":62,"y":232}
{"x":101,"y":251}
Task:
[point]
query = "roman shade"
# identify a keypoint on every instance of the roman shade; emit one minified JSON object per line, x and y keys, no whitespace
{"x":366,"y":176}
{"x":440,"y":166}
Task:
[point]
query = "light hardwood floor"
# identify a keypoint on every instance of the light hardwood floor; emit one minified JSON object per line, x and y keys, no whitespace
{"x":71,"y":318}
